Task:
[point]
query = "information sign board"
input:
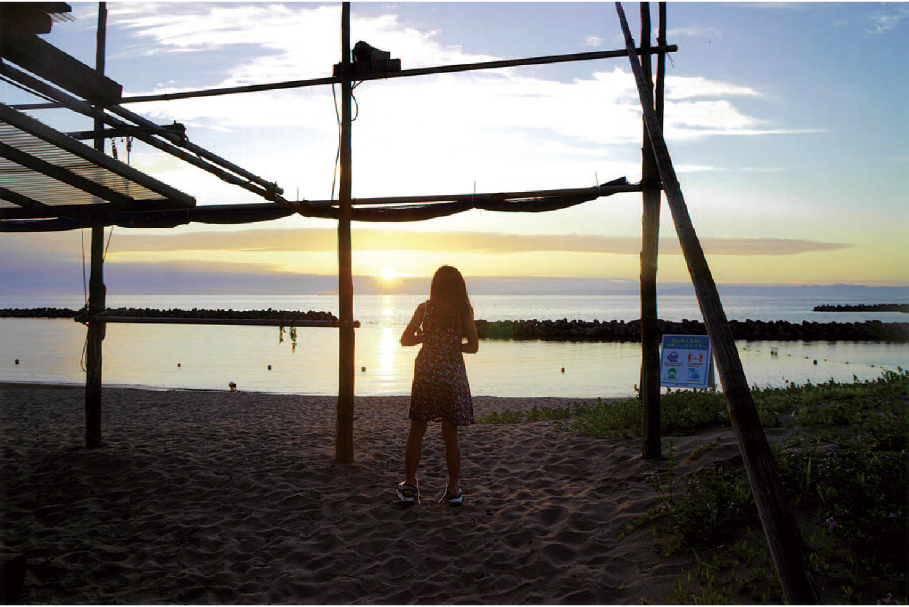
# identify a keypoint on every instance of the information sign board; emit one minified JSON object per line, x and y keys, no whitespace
{"x":686,"y":361}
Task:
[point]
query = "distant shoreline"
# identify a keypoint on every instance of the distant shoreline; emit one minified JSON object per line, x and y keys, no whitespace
{"x":554,"y":330}
{"x":904,"y":308}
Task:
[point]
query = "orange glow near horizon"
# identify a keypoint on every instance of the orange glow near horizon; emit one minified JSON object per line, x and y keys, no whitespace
{"x":395,"y":256}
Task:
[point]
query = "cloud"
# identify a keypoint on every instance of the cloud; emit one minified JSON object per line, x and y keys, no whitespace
{"x":691,"y":87}
{"x":289,"y":42}
{"x":286,"y":41}
{"x":313,"y":240}
{"x":890,"y":17}
{"x":695,"y":31}
{"x":593,"y":41}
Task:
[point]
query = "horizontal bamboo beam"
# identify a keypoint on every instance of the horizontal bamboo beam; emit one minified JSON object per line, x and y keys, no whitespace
{"x":443,"y":69}
{"x":603,"y":190}
{"x":233,"y":90}
{"x":110,"y":133}
{"x":258,"y":322}
{"x":264,"y":211}
{"x":486,"y":65}
{"x":87,"y":214}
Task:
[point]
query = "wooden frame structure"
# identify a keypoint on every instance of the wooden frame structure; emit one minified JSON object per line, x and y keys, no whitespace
{"x":102,"y":101}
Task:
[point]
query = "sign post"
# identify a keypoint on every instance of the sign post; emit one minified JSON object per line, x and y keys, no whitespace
{"x":686,"y":361}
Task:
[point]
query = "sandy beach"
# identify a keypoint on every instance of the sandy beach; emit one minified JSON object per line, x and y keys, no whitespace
{"x":219,"y":497}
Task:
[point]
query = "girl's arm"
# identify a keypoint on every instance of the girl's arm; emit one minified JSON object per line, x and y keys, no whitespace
{"x":411,"y":335}
{"x":470,"y":330}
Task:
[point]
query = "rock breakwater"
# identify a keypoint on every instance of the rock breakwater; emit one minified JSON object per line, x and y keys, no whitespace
{"x":553,"y":330}
{"x":904,"y":308}
{"x":289,"y":315}
{"x":751,"y":330}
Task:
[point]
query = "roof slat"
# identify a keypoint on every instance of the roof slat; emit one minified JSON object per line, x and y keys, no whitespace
{"x":46,"y":173}
{"x":57,"y":139}
{"x":63,"y":174}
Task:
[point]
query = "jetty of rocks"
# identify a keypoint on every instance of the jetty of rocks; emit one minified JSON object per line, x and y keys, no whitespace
{"x":750,"y":330}
{"x":555,"y":330}
{"x":175,"y":313}
{"x":904,"y":308}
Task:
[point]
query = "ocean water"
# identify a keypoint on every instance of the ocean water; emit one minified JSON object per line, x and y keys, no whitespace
{"x":209,"y":357}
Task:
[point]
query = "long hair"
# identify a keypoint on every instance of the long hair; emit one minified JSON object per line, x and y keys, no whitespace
{"x":449,"y":291}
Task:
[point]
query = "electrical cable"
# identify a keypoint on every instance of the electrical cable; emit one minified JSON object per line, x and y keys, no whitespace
{"x":334,"y":96}
{"x":334,"y":174}
{"x":85,"y":305}
{"x":84,"y":279}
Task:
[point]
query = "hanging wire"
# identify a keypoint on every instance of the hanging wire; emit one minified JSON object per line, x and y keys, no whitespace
{"x":84,"y":279}
{"x":85,"y":304}
{"x":354,"y":85}
{"x":334,"y":97}
{"x":110,"y":235}
{"x":334,"y":175}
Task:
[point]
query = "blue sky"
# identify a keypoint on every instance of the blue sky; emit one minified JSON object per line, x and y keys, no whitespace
{"x":788,"y":125}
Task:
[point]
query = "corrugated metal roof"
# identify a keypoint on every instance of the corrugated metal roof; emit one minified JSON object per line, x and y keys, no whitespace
{"x":45,"y":173}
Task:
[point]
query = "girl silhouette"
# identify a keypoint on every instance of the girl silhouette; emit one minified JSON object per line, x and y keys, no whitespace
{"x":440,"y":390}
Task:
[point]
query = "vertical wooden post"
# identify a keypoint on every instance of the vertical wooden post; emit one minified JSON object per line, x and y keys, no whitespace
{"x":783,"y":536}
{"x":96,"y":288}
{"x":344,"y":435}
{"x":650,"y":333}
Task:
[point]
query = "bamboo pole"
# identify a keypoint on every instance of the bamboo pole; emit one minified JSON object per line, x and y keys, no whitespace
{"x":96,"y":294}
{"x":650,"y":333}
{"x":782,"y":532}
{"x":344,"y":435}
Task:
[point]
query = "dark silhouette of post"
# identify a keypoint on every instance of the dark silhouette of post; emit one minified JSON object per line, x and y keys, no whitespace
{"x":96,"y":288}
{"x":650,"y":332}
{"x":783,"y":536}
{"x":344,"y":435}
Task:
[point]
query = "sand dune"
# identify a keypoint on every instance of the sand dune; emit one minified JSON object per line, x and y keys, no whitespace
{"x":218,"y":497}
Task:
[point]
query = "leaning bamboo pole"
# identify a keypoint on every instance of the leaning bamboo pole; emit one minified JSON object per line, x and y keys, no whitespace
{"x":345,"y":409}
{"x":780,"y":528}
{"x":650,"y":237}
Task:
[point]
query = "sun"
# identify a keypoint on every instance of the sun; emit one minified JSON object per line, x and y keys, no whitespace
{"x":388,"y":275}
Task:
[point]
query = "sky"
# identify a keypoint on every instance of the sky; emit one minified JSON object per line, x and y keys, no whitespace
{"x":787,"y":123}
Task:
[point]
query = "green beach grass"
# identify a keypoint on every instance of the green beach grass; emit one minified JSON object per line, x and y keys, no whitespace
{"x":844,"y":466}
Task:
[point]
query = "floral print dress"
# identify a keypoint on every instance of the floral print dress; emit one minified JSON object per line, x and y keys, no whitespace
{"x":440,"y":388}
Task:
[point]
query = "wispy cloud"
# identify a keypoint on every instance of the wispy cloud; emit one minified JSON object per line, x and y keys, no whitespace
{"x":286,"y":42}
{"x":889,"y":17}
{"x":310,"y":240}
{"x":695,"y":31}
{"x":593,"y":41}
